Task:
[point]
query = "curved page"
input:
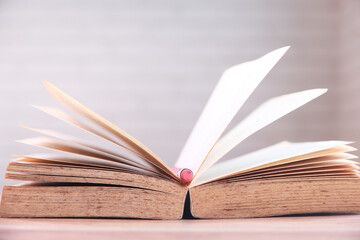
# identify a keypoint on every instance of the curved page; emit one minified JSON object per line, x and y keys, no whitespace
{"x":135,"y":145}
{"x":265,"y":114}
{"x":48,"y":143}
{"x":65,"y":117}
{"x":234,"y":88}
{"x":284,"y":151}
{"x":73,"y":140}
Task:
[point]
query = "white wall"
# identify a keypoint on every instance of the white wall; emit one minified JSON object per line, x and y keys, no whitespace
{"x":149,"y":66}
{"x":349,"y":71}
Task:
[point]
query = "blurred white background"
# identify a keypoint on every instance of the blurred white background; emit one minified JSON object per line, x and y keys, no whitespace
{"x":150,"y":66}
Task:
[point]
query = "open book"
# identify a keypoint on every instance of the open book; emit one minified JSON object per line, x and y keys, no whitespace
{"x":87,"y":180}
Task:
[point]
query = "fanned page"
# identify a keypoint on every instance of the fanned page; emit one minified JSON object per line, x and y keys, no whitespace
{"x":134,"y":144}
{"x":63,"y":116}
{"x":265,"y":114}
{"x":131,"y":157}
{"x":83,"y":161}
{"x":284,"y":152}
{"x":234,"y":88}
{"x":72,"y":141}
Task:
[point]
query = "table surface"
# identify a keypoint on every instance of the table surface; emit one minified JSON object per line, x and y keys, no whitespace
{"x":304,"y":227}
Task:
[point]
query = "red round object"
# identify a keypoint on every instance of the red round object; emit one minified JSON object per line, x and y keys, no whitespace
{"x":186,"y":175}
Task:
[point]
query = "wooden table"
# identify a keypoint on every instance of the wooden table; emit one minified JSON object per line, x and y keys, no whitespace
{"x":306,"y":227}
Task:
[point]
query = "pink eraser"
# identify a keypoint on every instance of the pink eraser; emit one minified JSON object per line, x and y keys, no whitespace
{"x":185,"y":174}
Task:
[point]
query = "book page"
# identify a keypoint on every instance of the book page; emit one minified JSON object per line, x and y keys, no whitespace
{"x":134,"y":144}
{"x":79,"y":150}
{"x":234,"y":88}
{"x":339,"y":165}
{"x":265,"y":114}
{"x":83,"y":143}
{"x":65,"y":117}
{"x":88,"y":163}
{"x":270,"y":156}
{"x":81,"y":161}
{"x":332,"y":159}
